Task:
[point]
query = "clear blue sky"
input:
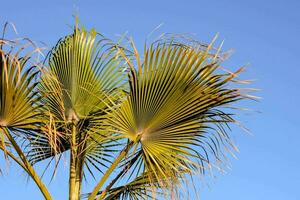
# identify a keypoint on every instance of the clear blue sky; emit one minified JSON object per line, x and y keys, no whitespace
{"x":264,"y":34}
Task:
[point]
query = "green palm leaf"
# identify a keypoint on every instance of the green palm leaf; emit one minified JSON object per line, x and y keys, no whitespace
{"x":83,"y":76}
{"x":19,"y":101}
{"x":175,"y":109}
{"x":20,"y":115}
{"x":83,"y":73}
{"x":18,"y":98}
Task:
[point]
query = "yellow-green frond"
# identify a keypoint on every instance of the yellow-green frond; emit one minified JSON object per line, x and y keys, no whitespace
{"x":83,"y":70}
{"x":174,"y":109}
{"x":18,"y":97}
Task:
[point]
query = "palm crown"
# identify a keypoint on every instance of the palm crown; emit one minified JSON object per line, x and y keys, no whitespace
{"x":164,"y":112}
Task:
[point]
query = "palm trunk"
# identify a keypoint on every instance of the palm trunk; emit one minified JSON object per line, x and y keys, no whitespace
{"x":75,"y":177}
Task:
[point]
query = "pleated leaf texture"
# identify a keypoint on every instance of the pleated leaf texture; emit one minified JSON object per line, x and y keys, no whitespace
{"x":174,"y":111}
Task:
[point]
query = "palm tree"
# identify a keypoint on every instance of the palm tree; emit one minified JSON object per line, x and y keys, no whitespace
{"x":164,"y":113}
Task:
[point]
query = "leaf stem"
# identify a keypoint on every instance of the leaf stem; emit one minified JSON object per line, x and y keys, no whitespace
{"x":29,"y":168}
{"x":109,"y":171}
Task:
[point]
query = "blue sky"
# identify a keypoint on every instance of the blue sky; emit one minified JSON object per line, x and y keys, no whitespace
{"x":264,"y":36}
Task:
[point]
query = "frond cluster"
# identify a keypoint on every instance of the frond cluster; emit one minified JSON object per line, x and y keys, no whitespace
{"x":153,"y":118}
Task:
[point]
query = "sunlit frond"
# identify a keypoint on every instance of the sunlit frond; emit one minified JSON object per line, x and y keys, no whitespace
{"x":176,"y":109}
{"x":82,"y":71}
{"x":20,"y":104}
{"x":19,"y":100}
{"x":18,"y":97}
{"x":83,"y":76}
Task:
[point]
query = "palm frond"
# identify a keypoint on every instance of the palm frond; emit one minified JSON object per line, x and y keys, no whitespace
{"x":176,"y":109}
{"x":83,"y":75}
{"x":18,"y":97}
{"x":19,"y":100}
{"x":82,"y":72}
{"x":20,"y":103}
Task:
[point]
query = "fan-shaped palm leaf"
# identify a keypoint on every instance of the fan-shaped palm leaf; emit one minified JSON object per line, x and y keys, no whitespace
{"x":82,"y":77}
{"x":19,"y":104}
{"x":174,"y":110}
